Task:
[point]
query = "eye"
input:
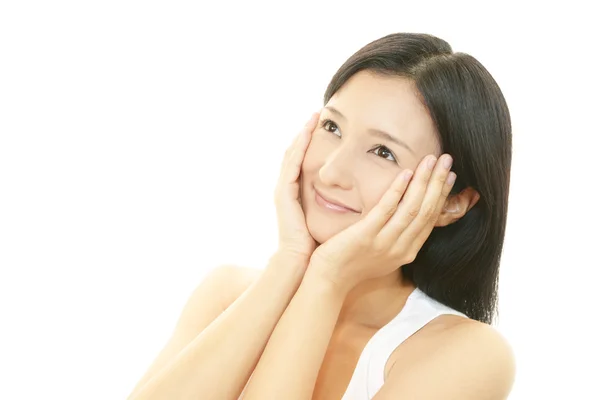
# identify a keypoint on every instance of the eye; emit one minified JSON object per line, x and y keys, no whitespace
{"x":384,"y":152}
{"x":327,"y":124}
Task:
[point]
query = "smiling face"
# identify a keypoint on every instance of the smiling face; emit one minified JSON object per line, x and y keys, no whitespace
{"x":371,"y":129}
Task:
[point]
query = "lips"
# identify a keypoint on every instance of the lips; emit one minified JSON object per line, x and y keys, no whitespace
{"x":332,"y":204}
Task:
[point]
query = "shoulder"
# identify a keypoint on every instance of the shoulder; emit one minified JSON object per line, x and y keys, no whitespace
{"x":484,"y":354}
{"x":464,"y":360}
{"x":480,"y":344}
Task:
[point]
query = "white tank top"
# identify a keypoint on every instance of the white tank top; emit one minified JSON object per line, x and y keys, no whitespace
{"x":368,"y":376}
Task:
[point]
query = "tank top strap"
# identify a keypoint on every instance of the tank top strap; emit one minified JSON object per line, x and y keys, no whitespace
{"x":369,"y":374}
{"x":360,"y":384}
{"x":419,"y":310}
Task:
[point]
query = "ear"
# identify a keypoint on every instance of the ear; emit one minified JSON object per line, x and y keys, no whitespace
{"x":457,"y":205}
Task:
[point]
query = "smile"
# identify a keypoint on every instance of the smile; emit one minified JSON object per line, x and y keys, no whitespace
{"x":332,"y":205}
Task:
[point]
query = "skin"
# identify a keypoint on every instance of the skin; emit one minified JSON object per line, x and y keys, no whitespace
{"x":352,"y":286}
{"x":210,"y":354}
{"x":333,"y":282}
{"x":343,"y":162}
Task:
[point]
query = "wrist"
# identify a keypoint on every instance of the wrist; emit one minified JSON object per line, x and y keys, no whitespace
{"x":289,"y":261}
{"x":329,"y":293}
{"x":319,"y":278}
{"x":294,"y":250}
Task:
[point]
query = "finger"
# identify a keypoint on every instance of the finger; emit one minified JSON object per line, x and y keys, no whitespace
{"x":422,"y":236}
{"x":411,"y":203}
{"x":286,"y":184}
{"x":379,"y":215}
{"x":308,"y":127}
{"x":293,"y":164}
{"x":429,"y":212}
{"x":283,"y":180}
{"x":290,"y":149}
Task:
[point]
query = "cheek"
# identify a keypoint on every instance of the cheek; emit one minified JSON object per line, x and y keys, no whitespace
{"x":373,"y":187}
{"x":314,"y":157}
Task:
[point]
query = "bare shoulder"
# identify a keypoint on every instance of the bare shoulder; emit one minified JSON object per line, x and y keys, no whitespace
{"x":476,"y":340}
{"x":457,"y":358}
{"x":481,"y":353}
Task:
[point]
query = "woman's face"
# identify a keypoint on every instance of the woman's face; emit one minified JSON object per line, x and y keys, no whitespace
{"x":351,"y":160}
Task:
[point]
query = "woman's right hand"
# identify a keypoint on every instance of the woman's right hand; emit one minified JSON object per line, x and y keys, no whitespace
{"x":294,"y":238}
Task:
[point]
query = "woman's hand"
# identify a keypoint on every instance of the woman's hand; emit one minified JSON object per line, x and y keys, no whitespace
{"x":392,"y":233}
{"x":294,"y":238}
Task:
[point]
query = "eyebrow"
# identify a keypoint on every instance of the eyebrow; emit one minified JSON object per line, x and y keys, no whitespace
{"x":375,"y":132}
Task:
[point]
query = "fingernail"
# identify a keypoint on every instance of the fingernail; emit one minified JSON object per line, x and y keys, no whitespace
{"x":431,"y":162}
{"x":451,"y":178}
{"x":312,"y":117}
{"x":448,"y":162}
{"x":408,"y":175}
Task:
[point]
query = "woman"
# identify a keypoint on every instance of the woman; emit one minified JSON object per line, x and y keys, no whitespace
{"x":392,"y":206}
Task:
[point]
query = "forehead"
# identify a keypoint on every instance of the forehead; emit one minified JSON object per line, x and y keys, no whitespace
{"x":390,"y":104}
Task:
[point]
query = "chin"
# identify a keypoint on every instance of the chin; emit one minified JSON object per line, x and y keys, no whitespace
{"x":322,"y":229}
{"x":321,"y":234}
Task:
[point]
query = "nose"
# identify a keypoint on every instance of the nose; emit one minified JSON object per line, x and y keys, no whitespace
{"x":337,"y":169}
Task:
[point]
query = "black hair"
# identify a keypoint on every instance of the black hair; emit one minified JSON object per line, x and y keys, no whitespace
{"x":458,"y":264}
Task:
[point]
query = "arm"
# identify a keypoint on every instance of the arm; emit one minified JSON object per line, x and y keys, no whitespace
{"x":221,"y":287}
{"x":219,"y":361}
{"x":470,"y":362}
{"x":389,"y":236}
{"x":290,"y":364}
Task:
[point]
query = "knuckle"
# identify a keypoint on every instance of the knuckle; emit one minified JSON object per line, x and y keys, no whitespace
{"x":432,"y":218}
{"x":410,"y":258}
{"x":428,"y":213}
{"x":379,"y":247}
{"x":389,"y":211}
{"x":413,"y":212}
{"x":430,"y":221}
{"x":447,"y":190}
{"x":398,"y":190}
{"x":396,"y":257}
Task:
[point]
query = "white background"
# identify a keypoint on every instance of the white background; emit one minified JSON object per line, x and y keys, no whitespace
{"x":141,"y":141}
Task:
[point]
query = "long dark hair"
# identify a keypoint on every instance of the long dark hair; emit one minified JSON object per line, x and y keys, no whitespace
{"x":458,"y":264}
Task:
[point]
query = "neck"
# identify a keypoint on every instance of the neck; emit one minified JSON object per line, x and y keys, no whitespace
{"x":373,"y":303}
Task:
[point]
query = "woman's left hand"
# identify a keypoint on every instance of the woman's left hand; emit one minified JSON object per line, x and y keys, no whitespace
{"x":392,"y":233}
